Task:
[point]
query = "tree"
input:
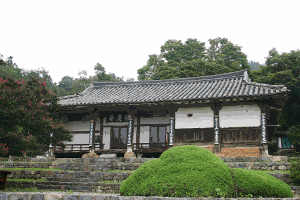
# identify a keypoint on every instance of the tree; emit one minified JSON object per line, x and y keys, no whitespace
{"x":192,"y":59}
{"x":283,"y":69}
{"x":225,"y":53}
{"x":129,"y":79}
{"x":83,"y":78}
{"x":255,"y":65}
{"x":66,"y":84}
{"x":28,"y":114}
{"x":102,"y":76}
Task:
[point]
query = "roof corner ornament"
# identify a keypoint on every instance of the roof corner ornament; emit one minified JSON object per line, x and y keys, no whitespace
{"x":246,"y":77}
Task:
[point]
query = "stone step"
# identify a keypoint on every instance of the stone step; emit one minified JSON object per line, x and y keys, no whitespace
{"x":63,"y":186}
{"x":69,"y":176}
{"x":137,"y":160}
{"x":272,"y":166}
{"x":76,"y":166}
{"x":87,"y":186}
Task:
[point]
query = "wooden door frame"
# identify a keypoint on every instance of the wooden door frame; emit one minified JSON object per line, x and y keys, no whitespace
{"x":158,"y":125}
{"x":119,"y":133}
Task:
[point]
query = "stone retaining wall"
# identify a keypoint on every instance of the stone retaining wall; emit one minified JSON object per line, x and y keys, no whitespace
{"x":62,"y":186}
{"x":80,"y":176}
{"x":123,"y":166}
{"x":136,"y":160}
{"x":69,"y":176}
{"x":272,"y":166}
{"x":91,"y":196}
{"x":83,"y":187}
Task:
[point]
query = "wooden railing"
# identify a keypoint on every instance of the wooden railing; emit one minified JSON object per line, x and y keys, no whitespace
{"x":98,"y":146}
{"x":164,"y":145}
{"x":77,"y":147}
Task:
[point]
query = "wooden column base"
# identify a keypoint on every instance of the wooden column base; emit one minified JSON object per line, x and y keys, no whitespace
{"x":217,"y":149}
{"x":51,"y":152}
{"x":91,"y":149}
{"x":264,"y":150}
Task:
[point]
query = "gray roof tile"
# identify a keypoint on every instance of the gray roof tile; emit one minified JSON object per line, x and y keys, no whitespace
{"x":234,"y":84}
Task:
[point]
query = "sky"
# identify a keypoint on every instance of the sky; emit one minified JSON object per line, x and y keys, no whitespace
{"x":65,"y":37}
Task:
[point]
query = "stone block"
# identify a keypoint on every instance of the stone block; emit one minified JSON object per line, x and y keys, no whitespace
{"x":265,"y":158}
{"x":270,"y":164}
{"x":130,"y":155}
{"x":276,"y":158}
{"x":239,"y":159}
{"x":108,"y":155}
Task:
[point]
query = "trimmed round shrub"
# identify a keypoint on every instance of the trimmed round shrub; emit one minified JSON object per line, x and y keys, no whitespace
{"x":183,"y":171}
{"x":259,"y":183}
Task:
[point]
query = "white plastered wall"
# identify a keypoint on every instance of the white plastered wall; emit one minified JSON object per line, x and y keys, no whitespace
{"x":156,"y":120}
{"x":78,"y":125}
{"x":202,"y":118}
{"x":144,"y":135}
{"x":106,"y":137}
{"x":240,"y":116}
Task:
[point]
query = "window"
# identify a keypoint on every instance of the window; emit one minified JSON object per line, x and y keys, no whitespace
{"x":193,"y":136}
{"x":119,"y":138}
{"x":158,"y":136}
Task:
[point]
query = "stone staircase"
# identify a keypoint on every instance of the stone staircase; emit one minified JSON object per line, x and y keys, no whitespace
{"x":94,"y":175}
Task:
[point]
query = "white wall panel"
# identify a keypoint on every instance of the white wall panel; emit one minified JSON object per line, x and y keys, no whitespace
{"x":79,"y":139}
{"x":134,"y":135}
{"x":156,"y":120}
{"x":240,"y":116}
{"x":144,"y":135}
{"x":202,"y":118}
{"x":78,"y":125}
{"x":106,"y":137}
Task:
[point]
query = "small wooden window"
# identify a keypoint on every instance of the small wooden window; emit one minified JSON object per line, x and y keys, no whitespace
{"x":196,"y":136}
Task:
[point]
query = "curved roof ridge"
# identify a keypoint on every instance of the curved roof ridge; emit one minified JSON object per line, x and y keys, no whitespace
{"x":266,"y":85}
{"x":230,"y":75}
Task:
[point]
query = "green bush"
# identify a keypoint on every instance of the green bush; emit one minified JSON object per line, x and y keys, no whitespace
{"x":295,"y":172}
{"x":183,"y":171}
{"x":259,"y":183}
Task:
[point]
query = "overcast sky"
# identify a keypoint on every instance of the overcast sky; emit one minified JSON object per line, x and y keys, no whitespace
{"x":65,"y":37}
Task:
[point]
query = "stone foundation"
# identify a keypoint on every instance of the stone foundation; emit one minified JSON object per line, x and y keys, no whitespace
{"x":241,"y":152}
{"x":91,"y":196}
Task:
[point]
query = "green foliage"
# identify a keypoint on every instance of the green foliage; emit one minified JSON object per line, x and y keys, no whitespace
{"x":295,"y":172}
{"x":293,"y":134}
{"x":192,"y":59}
{"x":283,"y":69}
{"x":258,"y":183}
{"x":28,"y":114}
{"x":255,"y":65}
{"x":183,"y":171}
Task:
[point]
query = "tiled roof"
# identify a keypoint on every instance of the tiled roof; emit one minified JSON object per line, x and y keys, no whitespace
{"x":234,"y":84}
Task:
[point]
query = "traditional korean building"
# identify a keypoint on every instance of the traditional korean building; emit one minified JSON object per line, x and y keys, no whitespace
{"x":226,"y":113}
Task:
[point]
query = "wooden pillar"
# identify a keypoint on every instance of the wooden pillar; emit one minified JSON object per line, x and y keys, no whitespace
{"x":138,"y":131}
{"x":264,"y":135}
{"x":129,"y":153}
{"x":216,"y":108}
{"x":101,"y":132}
{"x":51,"y":148}
{"x":92,"y":136}
{"x":172,"y":129}
{"x":171,"y":137}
